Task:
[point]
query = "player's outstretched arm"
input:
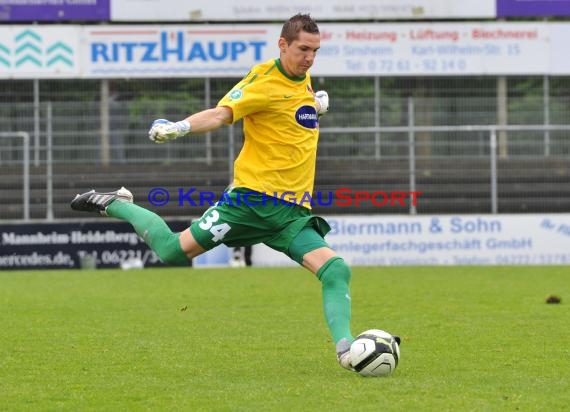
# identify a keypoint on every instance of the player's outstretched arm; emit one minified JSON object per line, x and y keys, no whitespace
{"x":163,"y":130}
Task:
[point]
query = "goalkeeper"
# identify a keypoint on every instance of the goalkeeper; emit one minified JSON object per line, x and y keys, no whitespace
{"x":280,"y":113}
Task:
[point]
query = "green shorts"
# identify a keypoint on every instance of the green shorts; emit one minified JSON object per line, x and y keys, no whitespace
{"x":243,"y":217}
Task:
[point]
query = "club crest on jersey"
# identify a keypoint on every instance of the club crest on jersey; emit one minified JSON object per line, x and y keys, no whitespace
{"x":236,"y":94}
{"x":307,"y":117}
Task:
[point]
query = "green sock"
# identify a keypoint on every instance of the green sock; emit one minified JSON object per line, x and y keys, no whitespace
{"x":335,"y":276}
{"x":153,"y":229}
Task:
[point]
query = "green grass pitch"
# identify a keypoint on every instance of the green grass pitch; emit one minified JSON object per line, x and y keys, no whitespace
{"x":254,"y":339}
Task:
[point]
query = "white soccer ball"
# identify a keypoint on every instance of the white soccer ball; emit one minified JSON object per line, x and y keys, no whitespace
{"x":375,"y":353}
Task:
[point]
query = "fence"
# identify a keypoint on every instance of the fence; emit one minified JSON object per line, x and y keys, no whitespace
{"x":452,"y":141}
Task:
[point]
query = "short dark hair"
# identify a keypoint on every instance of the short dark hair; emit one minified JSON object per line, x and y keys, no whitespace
{"x":299,"y":22}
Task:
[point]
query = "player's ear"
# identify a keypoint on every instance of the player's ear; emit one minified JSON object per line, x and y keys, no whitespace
{"x":282,"y":44}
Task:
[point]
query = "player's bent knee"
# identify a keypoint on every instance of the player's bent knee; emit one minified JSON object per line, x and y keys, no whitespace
{"x":170,"y":251}
{"x":335,"y":270}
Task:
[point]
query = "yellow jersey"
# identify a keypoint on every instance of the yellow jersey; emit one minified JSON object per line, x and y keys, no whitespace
{"x":281,"y":131}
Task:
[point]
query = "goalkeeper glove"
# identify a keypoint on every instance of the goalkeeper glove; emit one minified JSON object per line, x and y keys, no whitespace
{"x":322,"y":99}
{"x":162,"y":130}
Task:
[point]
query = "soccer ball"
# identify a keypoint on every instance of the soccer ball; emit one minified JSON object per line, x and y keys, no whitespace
{"x":375,"y":353}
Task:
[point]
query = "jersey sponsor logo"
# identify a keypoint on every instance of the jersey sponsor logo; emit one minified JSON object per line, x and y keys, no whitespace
{"x":236,"y":94}
{"x":307,"y":117}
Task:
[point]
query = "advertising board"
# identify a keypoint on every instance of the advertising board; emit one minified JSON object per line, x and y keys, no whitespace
{"x":75,"y":245}
{"x":379,"y":49}
{"x":275,"y":10}
{"x":532,"y":8}
{"x":53,"y":11}
{"x":532,"y":239}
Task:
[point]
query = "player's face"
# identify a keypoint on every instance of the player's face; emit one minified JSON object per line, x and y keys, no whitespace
{"x":298,"y":57}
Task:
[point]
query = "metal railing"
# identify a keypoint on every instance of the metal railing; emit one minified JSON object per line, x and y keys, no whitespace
{"x":409,"y":157}
{"x":493,"y":145}
{"x":26,"y":168}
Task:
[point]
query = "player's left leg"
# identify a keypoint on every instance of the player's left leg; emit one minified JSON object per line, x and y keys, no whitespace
{"x":310,"y":249}
{"x":149,"y":226}
{"x":153,"y":230}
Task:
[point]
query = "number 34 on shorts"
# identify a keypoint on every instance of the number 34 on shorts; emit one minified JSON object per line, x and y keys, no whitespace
{"x":208,"y":221}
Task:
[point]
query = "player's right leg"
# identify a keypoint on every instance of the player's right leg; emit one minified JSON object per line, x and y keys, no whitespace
{"x":172,"y":248}
{"x":310,"y":249}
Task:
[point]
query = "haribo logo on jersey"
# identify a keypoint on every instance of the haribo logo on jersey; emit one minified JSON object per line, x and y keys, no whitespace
{"x":307,"y":117}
